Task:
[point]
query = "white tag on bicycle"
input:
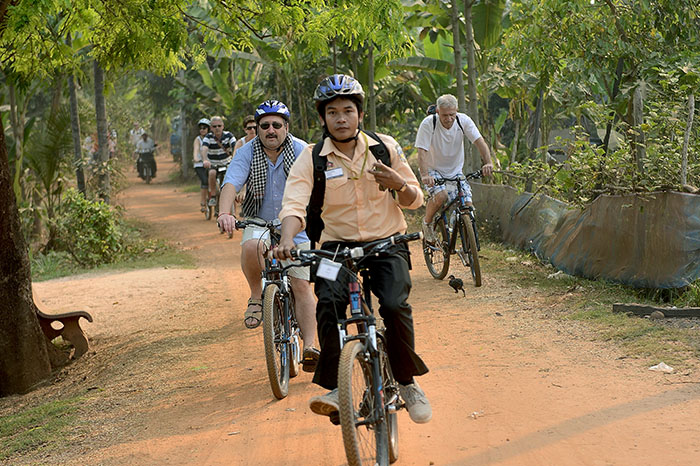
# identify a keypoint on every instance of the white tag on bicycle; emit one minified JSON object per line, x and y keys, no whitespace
{"x":258,"y":233}
{"x":328,"y":269}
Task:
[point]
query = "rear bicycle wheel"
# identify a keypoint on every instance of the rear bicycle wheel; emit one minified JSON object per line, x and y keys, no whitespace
{"x":469,"y":245}
{"x":437,"y":255}
{"x":276,"y":348}
{"x":361,"y":407}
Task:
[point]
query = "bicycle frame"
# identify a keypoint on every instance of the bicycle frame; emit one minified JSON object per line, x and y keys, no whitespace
{"x":459,"y":206}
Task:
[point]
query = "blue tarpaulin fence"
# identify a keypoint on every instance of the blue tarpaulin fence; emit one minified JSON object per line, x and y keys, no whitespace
{"x":648,"y":241}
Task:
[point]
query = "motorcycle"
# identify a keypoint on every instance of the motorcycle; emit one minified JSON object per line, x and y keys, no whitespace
{"x":146,"y":166}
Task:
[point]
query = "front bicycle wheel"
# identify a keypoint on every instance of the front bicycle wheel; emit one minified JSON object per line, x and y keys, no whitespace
{"x":469,"y":245}
{"x":437,"y":255}
{"x":294,"y":343}
{"x":391,"y":400}
{"x":361,"y":407}
{"x":275,"y":341}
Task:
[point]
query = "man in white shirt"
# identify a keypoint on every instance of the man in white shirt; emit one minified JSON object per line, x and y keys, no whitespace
{"x":440,"y":144}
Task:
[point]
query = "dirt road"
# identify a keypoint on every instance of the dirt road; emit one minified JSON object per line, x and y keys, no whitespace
{"x":175,"y":378}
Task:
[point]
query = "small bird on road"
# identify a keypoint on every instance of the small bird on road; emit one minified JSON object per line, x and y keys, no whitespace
{"x":457,"y":284}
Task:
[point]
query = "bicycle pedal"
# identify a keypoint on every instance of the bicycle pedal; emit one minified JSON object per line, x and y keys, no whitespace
{"x":335,"y":418}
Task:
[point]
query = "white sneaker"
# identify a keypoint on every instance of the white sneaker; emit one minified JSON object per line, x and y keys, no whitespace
{"x":325,"y":405}
{"x":416,"y":402}
{"x":429,"y":232}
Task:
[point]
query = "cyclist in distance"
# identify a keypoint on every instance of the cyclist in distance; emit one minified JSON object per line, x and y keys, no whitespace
{"x":203,"y":125}
{"x":362,"y":203}
{"x":263,"y":166}
{"x":440,"y":144}
{"x":250,"y":128}
{"x":216,"y":150}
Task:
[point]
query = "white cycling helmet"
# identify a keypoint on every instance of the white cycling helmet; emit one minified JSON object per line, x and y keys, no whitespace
{"x":204,"y":121}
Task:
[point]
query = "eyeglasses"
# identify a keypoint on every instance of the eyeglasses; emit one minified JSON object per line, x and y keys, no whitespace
{"x":217,"y":126}
{"x":251,"y":128}
{"x":275,"y":124}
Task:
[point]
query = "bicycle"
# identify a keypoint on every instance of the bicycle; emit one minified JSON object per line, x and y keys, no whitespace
{"x":368,"y":394}
{"x":220,"y":167}
{"x":281,"y":331}
{"x":462,"y":223}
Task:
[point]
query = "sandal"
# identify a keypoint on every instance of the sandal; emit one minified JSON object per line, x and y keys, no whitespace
{"x":309,"y":359}
{"x":253,"y":317}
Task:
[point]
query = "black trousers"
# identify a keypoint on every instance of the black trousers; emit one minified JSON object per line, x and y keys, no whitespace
{"x":390,"y":282}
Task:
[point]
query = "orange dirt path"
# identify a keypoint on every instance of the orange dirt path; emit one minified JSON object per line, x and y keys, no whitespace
{"x":174,"y":377}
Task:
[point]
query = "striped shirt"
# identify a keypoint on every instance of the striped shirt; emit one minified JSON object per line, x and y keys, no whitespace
{"x":217,"y":149}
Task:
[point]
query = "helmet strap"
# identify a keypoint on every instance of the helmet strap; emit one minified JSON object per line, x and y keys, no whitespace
{"x":328,"y":134}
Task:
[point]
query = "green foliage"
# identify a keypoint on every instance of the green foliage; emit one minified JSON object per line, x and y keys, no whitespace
{"x":36,"y":428}
{"x":89,"y":230}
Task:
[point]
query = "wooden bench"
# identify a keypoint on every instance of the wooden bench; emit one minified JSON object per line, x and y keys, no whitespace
{"x":70,"y":329}
{"x":69,"y":326}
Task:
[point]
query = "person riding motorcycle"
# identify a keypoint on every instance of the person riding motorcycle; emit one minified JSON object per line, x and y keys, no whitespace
{"x":145,"y":148}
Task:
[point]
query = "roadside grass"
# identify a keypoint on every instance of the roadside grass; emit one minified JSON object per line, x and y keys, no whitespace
{"x":190,"y":188}
{"x":39,"y":428}
{"x":143,"y":250}
{"x":590,"y":302}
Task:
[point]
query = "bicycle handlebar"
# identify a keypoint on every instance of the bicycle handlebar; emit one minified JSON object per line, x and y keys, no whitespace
{"x":470,"y":176}
{"x":357,"y":253}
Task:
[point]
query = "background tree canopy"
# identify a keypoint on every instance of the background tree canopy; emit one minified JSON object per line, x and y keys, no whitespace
{"x":605,"y":87}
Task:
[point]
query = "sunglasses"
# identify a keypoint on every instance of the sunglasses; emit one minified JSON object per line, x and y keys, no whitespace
{"x":203,"y":127}
{"x":275,"y":124}
{"x":217,"y":126}
{"x":252,"y":128}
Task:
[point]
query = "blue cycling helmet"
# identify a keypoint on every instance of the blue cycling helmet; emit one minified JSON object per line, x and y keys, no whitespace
{"x":271,"y":107}
{"x":338,"y":85}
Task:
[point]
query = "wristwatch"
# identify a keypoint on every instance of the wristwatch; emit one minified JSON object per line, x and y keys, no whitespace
{"x":403,"y":187}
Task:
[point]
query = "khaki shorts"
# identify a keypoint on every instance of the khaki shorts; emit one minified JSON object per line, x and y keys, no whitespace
{"x":255,"y":233}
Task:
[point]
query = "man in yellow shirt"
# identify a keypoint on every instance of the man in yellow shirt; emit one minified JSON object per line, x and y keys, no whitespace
{"x":358,"y":207}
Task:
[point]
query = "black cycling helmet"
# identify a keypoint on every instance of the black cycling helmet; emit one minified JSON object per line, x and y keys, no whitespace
{"x":338,"y":85}
{"x":271,"y":107}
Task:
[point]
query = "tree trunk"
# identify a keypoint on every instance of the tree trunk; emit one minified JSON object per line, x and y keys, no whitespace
{"x":638,"y":144}
{"x":370,"y":84}
{"x":75,"y":130}
{"x":184,"y":146}
{"x":686,"y":139}
{"x":514,"y":148}
{"x":102,"y":149}
{"x":17,"y":122}
{"x":473,"y":160}
{"x":458,"y":57}
{"x":613,"y":114}
{"x":24,"y":357}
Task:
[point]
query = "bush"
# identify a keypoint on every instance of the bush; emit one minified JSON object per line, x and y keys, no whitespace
{"x":89,"y":230}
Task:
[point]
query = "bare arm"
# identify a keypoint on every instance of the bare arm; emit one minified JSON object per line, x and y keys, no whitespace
{"x":423,"y":158}
{"x":226,"y":220}
{"x":487,"y":165}
{"x":290,"y":227}
{"x":205,"y":160}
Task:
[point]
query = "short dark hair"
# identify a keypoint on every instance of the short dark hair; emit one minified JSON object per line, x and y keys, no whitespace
{"x":247,"y":119}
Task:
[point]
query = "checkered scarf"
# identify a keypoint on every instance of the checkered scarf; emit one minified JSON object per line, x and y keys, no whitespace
{"x":255,"y":186}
